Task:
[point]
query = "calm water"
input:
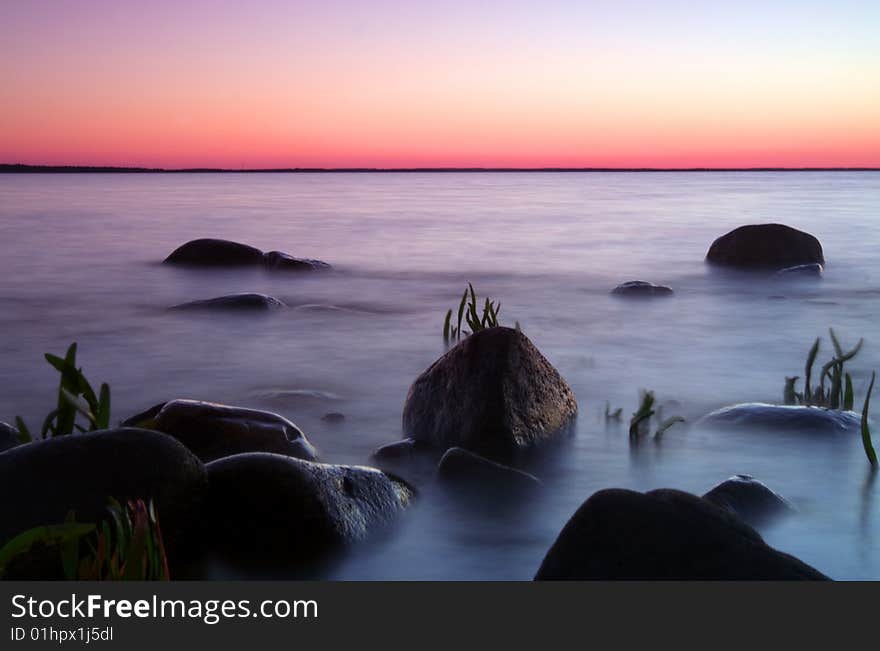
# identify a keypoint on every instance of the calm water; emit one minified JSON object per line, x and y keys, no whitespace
{"x":79,"y":259}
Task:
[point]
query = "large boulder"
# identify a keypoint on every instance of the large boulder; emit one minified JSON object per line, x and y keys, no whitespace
{"x":212,"y":430}
{"x":494,"y":394}
{"x":750,"y":499}
{"x":641,"y":289}
{"x":279,"y":261}
{"x":267,"y":505}
{"x":461,"y":468}
{"x":663,"y":534}
{"x":208,"y":252}
{"x":787,"y":418}
{"x":9,"y":437}
{"x":45,"y":479}
{"x":772,"y":246}
{"x":250,"y":302}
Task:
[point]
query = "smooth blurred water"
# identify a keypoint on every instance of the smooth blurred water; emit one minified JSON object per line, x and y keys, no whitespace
{"x":79,"y":260}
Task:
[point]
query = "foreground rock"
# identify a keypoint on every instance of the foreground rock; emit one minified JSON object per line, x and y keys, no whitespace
{"x":789,"y":418}
{"x":493,"y":393}
{"x":459,"y":467}
{"x":268,"y":505}
{"x":750,"y":499}
{"x":769,"y":246}
{"x":278,"y":261}
{"x":9,"y":437}
{"x":209,"y":252}
{"x":243,"y":302}
{"x":212,"y":430}
{"x":641,"y":289}
{"x":49,"y":478}
{"x":663,"y":534}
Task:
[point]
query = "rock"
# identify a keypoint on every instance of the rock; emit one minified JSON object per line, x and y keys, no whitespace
{"x":212,"y":431}
{"x":641,"y":288}
{"x":251,"y":302}
{"x":145,"y":419}
{"x":766,"y":246}
{"x":401,"y":451}
{"x":750,"y":499}
{"x":663,"y":534}
{"x":792,"y":418}
{"x":9,"y":437}
{"x":814,"y":270}
{"x":278,"y":261}
{"x":493,"y":394}
{"x":269,"y":505}
{"x":80,"y":471}
{"x":209,"y":252}
{"x":333,"y":417}
{"x":461,"y":467}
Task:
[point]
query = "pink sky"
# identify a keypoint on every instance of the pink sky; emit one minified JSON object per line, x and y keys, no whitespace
{"x":388,"y":83}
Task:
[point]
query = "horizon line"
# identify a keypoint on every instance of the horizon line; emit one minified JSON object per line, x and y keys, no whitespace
{"x":23,"y":168}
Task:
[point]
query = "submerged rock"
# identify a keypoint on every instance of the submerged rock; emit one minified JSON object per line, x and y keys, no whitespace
{"x":401,"y":451}
{"x":269,"y":505}
{"x":9,"y":437}
{"x":750,"y":499}
{"x":246,"y":301}
{"x":814,"y":270}
{"x":209,"y":252}
{"x":641,"y":288}
{"x":333,"y":417}
{"x":793,"y":418}
{"x":461,"y":467}
{"x":493,"y":393}
{"x":80,"y":472}
{"x":145,"y":419}
{"x":212,"y":430}
{"x":773,"y":246}
{"x":663,"y":534}
{"x":278,"y":261}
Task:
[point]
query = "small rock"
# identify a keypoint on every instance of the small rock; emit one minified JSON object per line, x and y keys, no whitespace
{"x":278,"y":261}
{"x":333,"y":417}
{"x":792,"y":418}
{"x":641,"y":288}
{"x":750,"y":499}
{"x":768,"y":246}
{"x":9,"y":437}
{"x":814,"y":270}
{"x":461,"y":467}
{"x":215,"y":253}
{"x":247,"y":301}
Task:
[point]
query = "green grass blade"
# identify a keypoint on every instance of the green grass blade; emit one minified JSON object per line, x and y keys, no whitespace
{"x":848,"y":395}
{"x":866,"y":429}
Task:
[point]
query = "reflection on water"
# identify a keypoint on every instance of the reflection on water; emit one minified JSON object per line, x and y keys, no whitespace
{"x":79,"y":261}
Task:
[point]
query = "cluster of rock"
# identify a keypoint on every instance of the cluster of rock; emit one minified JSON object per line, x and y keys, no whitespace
{"x":207,"y":252}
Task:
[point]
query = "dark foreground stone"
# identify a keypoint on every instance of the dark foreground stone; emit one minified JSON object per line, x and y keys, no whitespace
{"x":268,"y":505}
{"x":212,"y":430}
{"x":769,"y":246}
{"x":9,"y":437}
{"x":493,"y":393}
{"x":278,"y":261}
{"x":240,"y":302}
{"x":49,"y":478}
{"x":459,"y":467}
{"x":788,"y":418}
{"x":641,"y":289}
{"x":208,"y":252}
{"x":750,"y":499}
{"x":663,"y":534}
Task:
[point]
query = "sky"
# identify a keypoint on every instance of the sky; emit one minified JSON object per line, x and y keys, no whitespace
{"x":413,"y":83}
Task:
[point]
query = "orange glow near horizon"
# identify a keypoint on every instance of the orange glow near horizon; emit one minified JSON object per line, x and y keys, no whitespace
{"x":414,"y":85}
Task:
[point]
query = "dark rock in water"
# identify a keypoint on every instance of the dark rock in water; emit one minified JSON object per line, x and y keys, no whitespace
{"x":750,"y":499}
{"x":79,"y":472}
{"x":461,"y":467}
{"x":256,"y":302}
{"x":641,"y":288}
{"x":9,"y":437}
{"x":333,"y":417}
{"x":212,"y":431}
{"x":493,"y":393}
{"x":209,"y":252}
{"x":793,"y":418}
{"x":268,"y":505}
{"x":663,"y":534}
{"x":814,"y":270}
{"x":769,"y":246}
{"x":145,"y":419}
{"x":401,"y":451}
{"x":278,"y":261}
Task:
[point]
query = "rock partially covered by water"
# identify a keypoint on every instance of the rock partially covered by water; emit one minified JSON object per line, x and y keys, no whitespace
{"x":750,"y":499}
{"x":790,"y":418}
{"x":494,"y":394}
{"x":814,"y":270}
{"x":49,"y":478}
{"x":663,"y":534}
{"x":9,"y":437}
{"x":239,"y":302}
{"x":772,"y":246}
{"x":212,"y":430}
{"x":208,"y":252}
{"x":459,"y":467}
{"x":278,"y":261}
{"x":269,"y":505}
{"x":640,"y":289}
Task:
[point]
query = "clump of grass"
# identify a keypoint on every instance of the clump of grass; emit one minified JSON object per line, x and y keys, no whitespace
{"x":640,"y":423}
{"x":835,"y":388}
{"x":129,"y":548}
{"x":76,"y":398}
{"x":612,"y":415}
{"x":475,"y":318}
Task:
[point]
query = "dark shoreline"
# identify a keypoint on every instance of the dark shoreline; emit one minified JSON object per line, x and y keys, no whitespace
{"x":15,"y":168}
